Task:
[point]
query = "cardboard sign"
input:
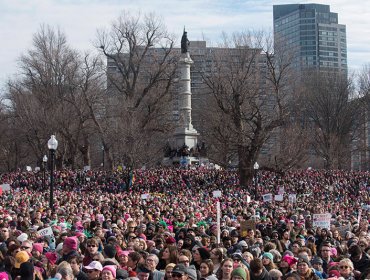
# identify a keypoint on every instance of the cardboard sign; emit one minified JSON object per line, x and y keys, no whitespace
{"x":217,"y":193}
{"x":321,"y":220}
{"x":267,"y":197}
{"x":245,"y":226}
{"x":279,"y":197}
{"x":46,"y":232}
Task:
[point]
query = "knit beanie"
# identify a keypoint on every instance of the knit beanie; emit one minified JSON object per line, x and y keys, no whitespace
{"x":239,"y":272}
{"x":112,"y":269}
{"x":268,"y":255}
{"x":71,"y":243}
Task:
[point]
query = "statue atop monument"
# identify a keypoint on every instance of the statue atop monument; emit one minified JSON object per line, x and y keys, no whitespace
{"x":184,"y":42}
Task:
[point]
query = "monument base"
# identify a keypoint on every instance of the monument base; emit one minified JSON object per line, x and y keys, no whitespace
{"x":185,"y":161}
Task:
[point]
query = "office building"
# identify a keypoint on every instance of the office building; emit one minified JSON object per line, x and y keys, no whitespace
{"x":313,"y":35}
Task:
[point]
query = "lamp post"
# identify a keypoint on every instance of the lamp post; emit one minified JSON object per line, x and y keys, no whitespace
{"x":44,"y":161}
{"x":255,"y":167}
{"x":52,"y":146}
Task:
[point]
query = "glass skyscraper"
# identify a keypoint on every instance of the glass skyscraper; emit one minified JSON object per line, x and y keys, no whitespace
{"x":312,"y":33}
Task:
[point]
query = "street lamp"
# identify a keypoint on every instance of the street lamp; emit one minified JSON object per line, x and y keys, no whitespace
{"x":255,"y":167}
{"x":52,"y":146}
{"x":44,"y":161}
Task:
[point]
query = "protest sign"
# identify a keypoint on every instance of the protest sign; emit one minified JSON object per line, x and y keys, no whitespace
{"x":321,"y":220}
{"x":245,"y":226}
{"x":248,"y":199}
{"x":267,"y":197}
{"x":45,"y":232}
{"x":279,"y":197}
{"x":217,"y":193}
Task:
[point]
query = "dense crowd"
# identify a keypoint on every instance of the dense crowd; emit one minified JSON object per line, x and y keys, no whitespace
{"x":161,"y":224}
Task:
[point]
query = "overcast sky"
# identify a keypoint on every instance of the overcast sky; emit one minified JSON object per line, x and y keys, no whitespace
{"x":79,"y":20}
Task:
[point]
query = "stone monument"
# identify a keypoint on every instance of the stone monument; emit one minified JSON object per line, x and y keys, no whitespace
{"x":185,"y":148}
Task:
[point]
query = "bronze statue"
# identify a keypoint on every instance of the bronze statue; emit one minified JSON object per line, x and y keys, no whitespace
{"x":184,"y":42}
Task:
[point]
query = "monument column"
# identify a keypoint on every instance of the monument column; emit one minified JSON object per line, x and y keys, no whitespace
{"x":185,"y":132}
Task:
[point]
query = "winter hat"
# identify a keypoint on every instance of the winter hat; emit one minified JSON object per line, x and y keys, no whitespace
{"x":110,"y":251}
{"x":22,"y":237}
{"x":170,"y":240}
{"x":52,"y":257}
{"x":268,"y":255}
{"x":191,"y":272}
{"x":39,"y":247}
{"x":255,"y":250}
{"x":20,"y":258}
{"x":276,"y":254}
{"x":239,"y":272}
{"x":71,"y":243}
{"x":4,"y":276}
{"x":304,"y":260}
{"x":317,"y":260}
{"x":112,"y":269}
{"x":204,"y":254}
{"x":289,"y":259}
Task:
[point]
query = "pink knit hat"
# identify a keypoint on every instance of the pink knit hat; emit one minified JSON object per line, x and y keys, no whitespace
{"x":71,"y":243}
{"x":110,"y":268}
{"x":39,"y":247}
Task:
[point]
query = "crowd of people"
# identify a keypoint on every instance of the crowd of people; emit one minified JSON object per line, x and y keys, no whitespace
{"x":164,"y":224}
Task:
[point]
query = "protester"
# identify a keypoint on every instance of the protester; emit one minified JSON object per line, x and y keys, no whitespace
{"x":170,"y":214}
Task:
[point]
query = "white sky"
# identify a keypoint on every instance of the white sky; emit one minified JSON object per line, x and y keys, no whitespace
{"x":79,"y":20}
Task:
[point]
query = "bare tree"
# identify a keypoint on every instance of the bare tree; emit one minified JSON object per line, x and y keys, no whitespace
{"x":361,"y":145}
{"x":141,"y":68}
{"x":47,"y":98}
{"x":248,"y":86}
{"x":330,"y":114}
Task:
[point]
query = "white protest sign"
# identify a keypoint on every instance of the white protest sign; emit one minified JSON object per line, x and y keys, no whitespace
{"x":217,"y":193}
{"x":248,"y":199}
{"x":46,"y":231}
{"x":321,"y":220}
{"x":281,"y":190}
{"x":267,"y":197}
{"x":145,"y":196}
{"x":279,"y":197}
{"x":292,"y":198}
{"x":5,"y":187}
{"x":28,"y":168}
